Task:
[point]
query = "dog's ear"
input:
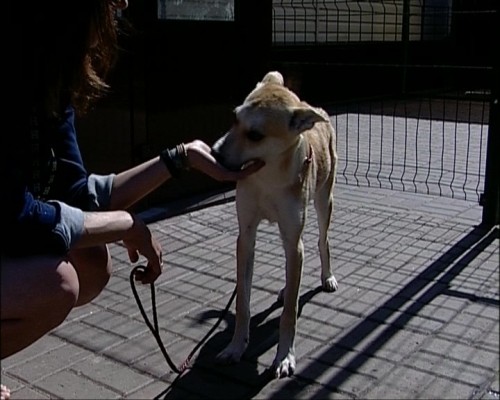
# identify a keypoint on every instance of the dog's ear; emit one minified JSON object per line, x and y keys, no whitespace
{"x":304,"y":118}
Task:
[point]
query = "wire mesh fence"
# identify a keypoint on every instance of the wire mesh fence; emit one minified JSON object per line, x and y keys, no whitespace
{"x":410,"y":145}
{"x":323,"y":21}
{"x":425,"y":65}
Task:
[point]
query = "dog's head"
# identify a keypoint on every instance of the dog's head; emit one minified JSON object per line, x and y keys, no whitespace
{"x":269,"y":122}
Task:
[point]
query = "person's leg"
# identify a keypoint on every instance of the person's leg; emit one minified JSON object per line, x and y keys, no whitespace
{"x":37,"y":293}
{"x":94,"y":267}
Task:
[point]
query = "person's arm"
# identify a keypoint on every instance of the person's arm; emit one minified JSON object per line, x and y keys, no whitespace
{"x":133,"y":184}
{"x":104,"y":227}
{"x":113,"y":226}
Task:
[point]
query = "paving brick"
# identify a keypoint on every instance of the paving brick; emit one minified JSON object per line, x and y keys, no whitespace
{"x":441,"y":388}
{"x":156,"y":390}
{"x":481,"y":359}
{"x":43,"y":345}
{"x":27,"y":393}
{"x":319,"y":329}
{"x":155,"y":364}
{"x":111,"y":374}
{"x":126,"y":352}
{"x":408,"y":379}
{"x":466,"y":328}
{"x":13,"y":384}
{"x":389,"y":392}
{"x":87,"y":336}
{"x":49,"y":363}
{"x":489,"y":340}
{"x":495,"y":383}
{"x":115,"y":323}
{"x":335,"y":378}
{"x":295,"y":388}
{"x":68,"y":385}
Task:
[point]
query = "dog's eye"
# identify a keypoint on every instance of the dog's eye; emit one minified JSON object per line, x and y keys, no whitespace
{"x":254,"y":136}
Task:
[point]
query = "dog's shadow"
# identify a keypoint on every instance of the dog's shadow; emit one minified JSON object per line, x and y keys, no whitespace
{"x":208,"y":380}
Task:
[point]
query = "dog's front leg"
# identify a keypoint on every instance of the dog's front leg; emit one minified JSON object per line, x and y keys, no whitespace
{"x":284,"y":362}
{"x":245,"y":259}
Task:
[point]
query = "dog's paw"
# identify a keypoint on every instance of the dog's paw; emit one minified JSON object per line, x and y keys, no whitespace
{"x":284,"y":367}
{"x":330,"y":284}
{"x":231,"y":354}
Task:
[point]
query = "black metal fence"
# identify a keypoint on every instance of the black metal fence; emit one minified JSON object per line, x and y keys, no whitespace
{"x":409,"y":85}
{"x":326,"y":21}
{"x":408,"y":144}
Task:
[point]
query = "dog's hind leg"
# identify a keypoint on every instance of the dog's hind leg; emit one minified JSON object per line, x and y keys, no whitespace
{"x":323,"y":203}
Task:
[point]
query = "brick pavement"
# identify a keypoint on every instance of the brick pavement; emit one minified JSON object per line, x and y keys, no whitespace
{"x":416,"y":314}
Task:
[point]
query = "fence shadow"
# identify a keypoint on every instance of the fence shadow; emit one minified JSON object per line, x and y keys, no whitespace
{"x":450,"y":264}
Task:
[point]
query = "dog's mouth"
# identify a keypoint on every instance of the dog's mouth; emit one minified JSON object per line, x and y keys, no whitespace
{"x":229,"y":165}
{"x":248,"y":163}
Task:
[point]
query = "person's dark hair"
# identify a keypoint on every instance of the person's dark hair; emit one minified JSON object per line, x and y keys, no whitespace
{"x":68,"y":49}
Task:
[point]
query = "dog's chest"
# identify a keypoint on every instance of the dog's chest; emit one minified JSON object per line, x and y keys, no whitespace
{"x":268,"y":207}
{"x":265,"y":202}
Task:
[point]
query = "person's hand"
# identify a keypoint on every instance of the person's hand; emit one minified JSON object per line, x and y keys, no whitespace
{"x":139,"y":241}
{"x":5,"y":393}
{"x":200,"y":157}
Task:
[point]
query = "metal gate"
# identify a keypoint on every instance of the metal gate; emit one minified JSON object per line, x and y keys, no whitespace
{"x":411,"y":86}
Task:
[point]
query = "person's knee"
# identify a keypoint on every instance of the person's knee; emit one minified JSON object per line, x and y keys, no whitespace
{"x":64,"y":292}
{"x":58,"y":297}
{"x":94,"y":268}
{"x":37,"y":295}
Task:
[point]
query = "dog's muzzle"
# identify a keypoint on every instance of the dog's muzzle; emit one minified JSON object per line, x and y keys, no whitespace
{"x":223,"y":161}
{"x":218,"y":155}
{"x":217,"y":152}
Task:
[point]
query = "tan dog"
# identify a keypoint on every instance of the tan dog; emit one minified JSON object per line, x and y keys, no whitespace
{"x":297,"y":144}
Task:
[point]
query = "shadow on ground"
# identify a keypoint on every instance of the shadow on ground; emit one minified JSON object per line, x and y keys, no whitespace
{"x":244,"y":380}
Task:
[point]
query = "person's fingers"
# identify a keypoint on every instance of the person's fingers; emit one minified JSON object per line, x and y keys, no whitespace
{"x":205,"y":147}
{"x":5,"y":393}
{"x":155,"y":265}
{"x":139,"y":276}
{"x":150,"y":275}
{"x":133,"y":255}
{"x":146,"y":276}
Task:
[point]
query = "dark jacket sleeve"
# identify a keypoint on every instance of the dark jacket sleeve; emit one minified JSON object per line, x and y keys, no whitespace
{"x":73,"y":184}
{"x":30,"y":225}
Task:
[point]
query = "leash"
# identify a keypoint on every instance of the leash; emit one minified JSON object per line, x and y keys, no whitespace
{"x":156,"y":331}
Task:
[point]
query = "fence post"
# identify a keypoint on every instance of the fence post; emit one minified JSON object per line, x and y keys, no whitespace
{"x":254,"y":29}
{"x":490,"y":199}
{"x":405,"y":40}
